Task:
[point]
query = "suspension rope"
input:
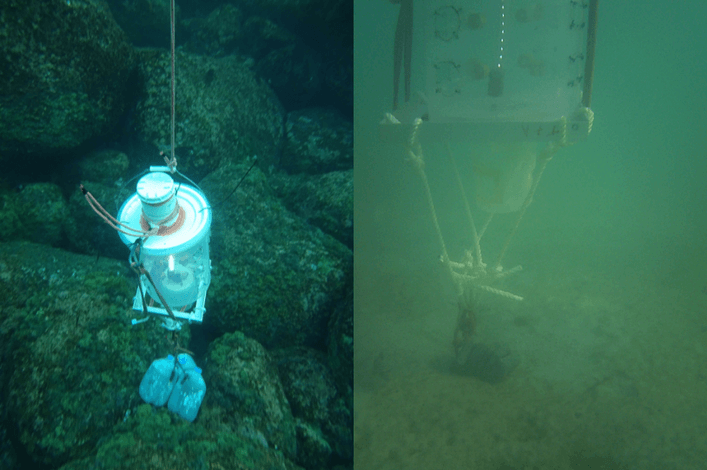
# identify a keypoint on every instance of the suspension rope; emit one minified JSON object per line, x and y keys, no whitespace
{"x":172,"y":163}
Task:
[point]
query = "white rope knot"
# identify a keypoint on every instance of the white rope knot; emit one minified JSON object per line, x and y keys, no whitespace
{"x":171,"y":163}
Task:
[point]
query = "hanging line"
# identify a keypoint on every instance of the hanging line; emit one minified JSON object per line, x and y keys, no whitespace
{"x":173,"y":161}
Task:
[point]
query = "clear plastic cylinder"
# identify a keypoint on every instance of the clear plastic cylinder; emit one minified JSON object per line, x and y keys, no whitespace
{"x":177,"y":256}
{"x":182,"y":276}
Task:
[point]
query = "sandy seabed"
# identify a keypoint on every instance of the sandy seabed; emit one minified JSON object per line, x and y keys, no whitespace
{"x":612,"y":370}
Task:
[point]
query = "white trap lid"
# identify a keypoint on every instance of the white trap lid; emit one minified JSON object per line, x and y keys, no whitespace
{"x":196,"y":225}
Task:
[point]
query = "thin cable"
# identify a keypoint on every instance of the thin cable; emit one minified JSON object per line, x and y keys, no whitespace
{"x":239,"y":183}
{"x":112,"y":221}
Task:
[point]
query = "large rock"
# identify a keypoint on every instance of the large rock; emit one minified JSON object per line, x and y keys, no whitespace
{"x":65,"y":68}
{"x":153,"y":438}
{"x":317,"y":182}
{"x":103,"y":174}
{"x":37,"y":213}
{"x":325,"y":201}
{"x":72,"y":359}
{"x":275,"y":277}
{"x":244,"y":388}
{"x":324,"y":419}
{"x":223,"y":112}
{"x":319,"y":140}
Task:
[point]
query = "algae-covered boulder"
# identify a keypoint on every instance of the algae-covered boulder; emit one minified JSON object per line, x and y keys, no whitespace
{"x":275,"y":278}
{"x":319,"y":140}
{"x":37,"y":212}
{"x":323,"y":419}
{"x":324,"y":201}
{"x":155,"y":439}
{"x":245,"y":389}
{"x":65,"y":69}
{"x":72,"y":360}
{"x":225,"y":113}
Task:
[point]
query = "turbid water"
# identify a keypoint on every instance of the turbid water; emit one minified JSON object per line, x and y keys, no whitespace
{"x":611,"y":339}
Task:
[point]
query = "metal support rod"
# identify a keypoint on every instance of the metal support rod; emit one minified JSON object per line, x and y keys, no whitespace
{"x":591,"y":46}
